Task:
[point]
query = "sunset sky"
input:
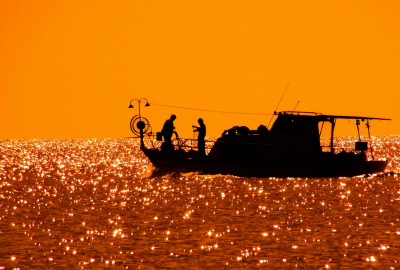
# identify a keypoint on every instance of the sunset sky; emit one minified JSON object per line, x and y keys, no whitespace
{"x":68,"y":69}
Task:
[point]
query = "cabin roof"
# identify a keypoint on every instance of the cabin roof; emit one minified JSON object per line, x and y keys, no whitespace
{"x":326,"y":116}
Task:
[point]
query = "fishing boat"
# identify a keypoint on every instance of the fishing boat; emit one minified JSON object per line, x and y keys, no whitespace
{"x":291,"y":148}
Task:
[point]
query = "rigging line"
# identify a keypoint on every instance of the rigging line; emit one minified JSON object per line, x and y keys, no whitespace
{"x":375,"y":123}
{"x":193,"y":109}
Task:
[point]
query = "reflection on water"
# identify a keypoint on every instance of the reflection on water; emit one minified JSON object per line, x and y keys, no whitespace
{"x":86,"y":204}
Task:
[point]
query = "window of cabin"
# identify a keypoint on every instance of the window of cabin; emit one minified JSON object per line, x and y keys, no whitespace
{"x":324,"y":129}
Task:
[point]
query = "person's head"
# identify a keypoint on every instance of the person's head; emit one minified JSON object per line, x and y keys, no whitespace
{"x":173,"y":117}
{"x":200,"y":121}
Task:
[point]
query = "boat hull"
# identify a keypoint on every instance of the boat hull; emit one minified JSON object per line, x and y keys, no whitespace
{"x":250,"y":167}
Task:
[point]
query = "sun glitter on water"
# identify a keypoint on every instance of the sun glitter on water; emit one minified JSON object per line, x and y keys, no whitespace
{"x":92,"y":204}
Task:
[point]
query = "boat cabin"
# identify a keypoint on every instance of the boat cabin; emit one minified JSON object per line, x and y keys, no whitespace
{"x":294,"y":134}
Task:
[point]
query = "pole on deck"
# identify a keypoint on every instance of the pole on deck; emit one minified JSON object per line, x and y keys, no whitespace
{"x":140,"y":116}
{"x":333,"y":127}
{"x":141,"y":140}
{"x":358,"y":129}
{"x":141,"y":125}
{"x":370,"y":143}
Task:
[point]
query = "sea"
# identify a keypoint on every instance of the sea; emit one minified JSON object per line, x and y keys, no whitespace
{"x":93,"y":204}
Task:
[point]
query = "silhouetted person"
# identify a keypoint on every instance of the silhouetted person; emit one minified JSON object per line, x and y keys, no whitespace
{"x":201,"y":145}
{"x":169,"y":129}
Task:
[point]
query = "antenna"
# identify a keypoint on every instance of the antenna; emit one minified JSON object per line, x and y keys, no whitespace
{"x":296,"y":105}
{"x":278,"y":104}
{"x":282,"y":97}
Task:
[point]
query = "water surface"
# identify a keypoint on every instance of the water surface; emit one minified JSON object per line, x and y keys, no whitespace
{"x":90,"y":204}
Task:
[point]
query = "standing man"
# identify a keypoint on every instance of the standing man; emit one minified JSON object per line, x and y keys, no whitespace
{"x":169,"y":129}
{"x":201,"y":145}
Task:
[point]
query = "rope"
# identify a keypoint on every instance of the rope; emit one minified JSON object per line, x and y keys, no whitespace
{"x":193,"y":109}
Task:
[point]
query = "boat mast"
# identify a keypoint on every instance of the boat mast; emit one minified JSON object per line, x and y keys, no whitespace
{"x":140,"y":125}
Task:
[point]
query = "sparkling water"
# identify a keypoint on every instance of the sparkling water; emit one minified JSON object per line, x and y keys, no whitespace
{"x":93,"y":204}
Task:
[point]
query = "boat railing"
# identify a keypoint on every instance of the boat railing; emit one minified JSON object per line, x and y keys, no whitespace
{"x":186,"y":144}
{"x":336,"y":149}
{"x":190,"y":144}
{"x":297,"y":113}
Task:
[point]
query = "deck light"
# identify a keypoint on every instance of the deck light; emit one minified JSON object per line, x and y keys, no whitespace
{"x":139,"y":101}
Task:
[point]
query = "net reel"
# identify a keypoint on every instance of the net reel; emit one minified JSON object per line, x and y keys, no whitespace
{"x":138,"y":123}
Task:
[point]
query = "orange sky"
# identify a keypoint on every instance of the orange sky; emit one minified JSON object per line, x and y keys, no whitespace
{"x":68,"y":69}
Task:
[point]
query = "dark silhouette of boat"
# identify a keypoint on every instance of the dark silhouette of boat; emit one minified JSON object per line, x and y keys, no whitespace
{"x":291,"y":148}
